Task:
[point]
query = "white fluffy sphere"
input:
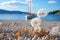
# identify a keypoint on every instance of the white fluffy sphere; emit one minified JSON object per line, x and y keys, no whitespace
{"x":55,"y":31}
{"x":42,"y":12}
{"x":36,"y":22}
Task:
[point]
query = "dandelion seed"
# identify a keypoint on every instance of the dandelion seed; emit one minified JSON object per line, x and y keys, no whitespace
{"x":36,"y":23}
{"x":42,"y":13}
{"x":55,"y":31}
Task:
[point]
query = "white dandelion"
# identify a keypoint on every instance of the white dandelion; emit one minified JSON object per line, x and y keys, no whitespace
{"x":36,"y":23}
{"x":55,"y":31}
{"x":42,"y":13}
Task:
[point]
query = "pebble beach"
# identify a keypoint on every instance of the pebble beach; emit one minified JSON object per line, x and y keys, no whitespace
{"x":8,"y":29}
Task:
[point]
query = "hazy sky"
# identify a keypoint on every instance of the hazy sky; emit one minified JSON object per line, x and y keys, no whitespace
{"x":21,"y":5}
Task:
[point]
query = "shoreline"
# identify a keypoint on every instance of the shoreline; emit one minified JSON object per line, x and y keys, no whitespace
{"x":26,"y":23}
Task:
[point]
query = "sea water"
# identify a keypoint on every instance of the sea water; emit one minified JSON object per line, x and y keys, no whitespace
{"x":12,"y":16}
{"x":51,"y":17}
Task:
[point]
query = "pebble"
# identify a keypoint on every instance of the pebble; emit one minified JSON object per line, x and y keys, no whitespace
{"x":29,"y":39}
{"x":34,"y":38}
{"x":39,"y":38}
{"x":25,"y":38}
{"x":57,"y":39}
{"x":20,"y":38}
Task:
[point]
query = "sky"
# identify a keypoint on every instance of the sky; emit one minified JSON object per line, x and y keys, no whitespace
{"x":22,"y":5}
